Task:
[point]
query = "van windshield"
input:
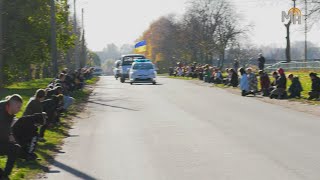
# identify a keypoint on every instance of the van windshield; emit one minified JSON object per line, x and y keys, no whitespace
{"x":128,"y":60}
{"x":142,"y":66}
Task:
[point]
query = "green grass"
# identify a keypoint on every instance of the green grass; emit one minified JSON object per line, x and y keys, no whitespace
{"x":92,"y":81}
{"x":25,"y":89}
{"x":179,"y":77}
{"x":54,"y":136}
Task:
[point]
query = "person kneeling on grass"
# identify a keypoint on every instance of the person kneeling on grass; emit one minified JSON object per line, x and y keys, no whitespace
{"x":29,"y":139}
{"x":315,"y":87}
{"x":265,"y":83}
{"x":244,"y":83}
{"x":218,"y":78}
{"x":253,"y":81}
{"x":279,"y":90}
{"x":234,"y":78}
{"x":295,"y":88}
{"x":25,"y":131}
{"x":8,"y":145}
{"x":53,"y":106}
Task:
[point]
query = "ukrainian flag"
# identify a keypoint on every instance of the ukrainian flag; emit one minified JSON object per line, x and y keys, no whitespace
{"x":141,"y":46}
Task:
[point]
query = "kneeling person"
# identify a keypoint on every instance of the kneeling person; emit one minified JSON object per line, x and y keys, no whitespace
{"x":8,"y":146}
{"x":26,"y":130}
{"x":295,"y":88}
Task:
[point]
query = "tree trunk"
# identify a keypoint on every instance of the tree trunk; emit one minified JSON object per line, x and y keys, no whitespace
{"x":1,"y":46}
{"x":288,"y":48}
{"x":30,"y":73}
{"x":54,"y":53}
{"x":45,"y":71}
{"x":222,"y":59}
{"x":68,"y":56}
{"x":37,"y":72}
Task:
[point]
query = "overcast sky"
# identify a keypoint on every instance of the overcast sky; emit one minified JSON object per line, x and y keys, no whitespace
{"x":123,"y":21}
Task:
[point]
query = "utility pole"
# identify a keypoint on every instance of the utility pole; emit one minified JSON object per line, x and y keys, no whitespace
{"x":306,"y":32}
{"x":75,"y":28}
{"x":288,"y":48}
{"x":83,"y":47}
{"x":54,"y":54}
{"x":1,"y":44}
{"x":68,"y":56}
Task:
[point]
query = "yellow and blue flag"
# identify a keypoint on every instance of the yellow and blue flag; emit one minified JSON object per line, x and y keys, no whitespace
{"x":141,"y":46}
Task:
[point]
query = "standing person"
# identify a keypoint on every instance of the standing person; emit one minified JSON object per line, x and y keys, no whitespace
{"x":279,"y":90}
{"x":236,"y":65}
{"x":295,"y":88}
{"x":261,"y":62}
{"x":315,"y":87}
{"x":8,"y":145}
{"x":253,"y":81}
{"x":265,"y":83}
{"x":244,"y":83}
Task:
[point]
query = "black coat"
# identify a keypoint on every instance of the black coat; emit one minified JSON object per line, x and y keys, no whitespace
{"x":5,"y":123}
{"x":296,"y":86}
{"x":315,"y":84}
{"x":26,"y":127}
{"x":261,"y":60}
{"x":282,"y":82}
{"x":234,"y":80}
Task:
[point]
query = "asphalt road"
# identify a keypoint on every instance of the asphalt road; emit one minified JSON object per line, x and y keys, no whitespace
{"x":182,"y":131}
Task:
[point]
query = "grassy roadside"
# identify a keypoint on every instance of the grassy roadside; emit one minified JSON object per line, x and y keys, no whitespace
{"x":54,"y":136}
{"x":178,"y":77}
{"x":304,"y":79}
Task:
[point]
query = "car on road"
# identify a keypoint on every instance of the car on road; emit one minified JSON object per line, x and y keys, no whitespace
{"x":125,"y":65}
{"x":143,"y":71}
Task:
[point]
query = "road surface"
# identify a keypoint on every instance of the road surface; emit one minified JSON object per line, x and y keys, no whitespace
{"x":182,"y":131}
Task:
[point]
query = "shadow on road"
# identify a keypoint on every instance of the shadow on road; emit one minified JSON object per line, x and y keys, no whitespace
{"x":75,"y":172}
{"x":118,"y":107}
{"x":140,"y":84}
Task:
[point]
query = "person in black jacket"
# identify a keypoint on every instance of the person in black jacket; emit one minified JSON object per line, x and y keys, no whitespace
{"x":261,"y":62}
{"x":280,"y":87}
{"x":315,"y":87}
{"x":52,"y":105}
{"x":234,"y":82}
{"x":25,"y":131}
{"x":8,"y":145}
{"x":29,"y":139}
{"x":295,"y":88}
